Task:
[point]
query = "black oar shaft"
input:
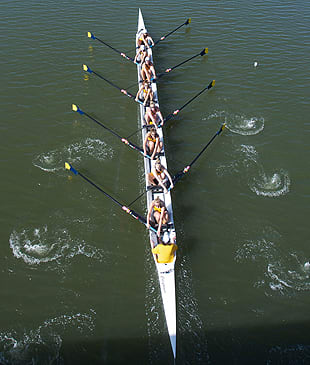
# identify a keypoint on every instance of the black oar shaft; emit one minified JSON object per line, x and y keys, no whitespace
{"x":106,"y":80}
{"x":91,"y":35}
{"x":188,"y":102}
{"x":98,"y":188}
{"x":103,"y":126}
{"x":203,"y":52}
{"x":169,"y":116}
{"x":124,"y":140}
{"x":181,"y":173}
{"x":182,"y":63}
{"x":174,"y":30}
{"x":124,"y":208}
{"x":123,"y":91}
{"x":207,"y":145}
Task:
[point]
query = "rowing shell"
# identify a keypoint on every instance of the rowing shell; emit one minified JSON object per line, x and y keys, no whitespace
{"x":165,"y":271}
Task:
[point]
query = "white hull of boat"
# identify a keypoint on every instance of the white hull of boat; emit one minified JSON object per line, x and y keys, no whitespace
{"x":165,"y":271}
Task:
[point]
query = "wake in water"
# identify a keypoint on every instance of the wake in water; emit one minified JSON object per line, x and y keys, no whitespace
{"x":240,"y":124}
{"x":52,"y":246}
{"x":246,"y":162}
{"x":283,"y":272}
{"x":53,"y":161}
{"x":42,"y":345}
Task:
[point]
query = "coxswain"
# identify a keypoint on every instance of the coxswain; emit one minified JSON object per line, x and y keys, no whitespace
{"x":159,"y":175}
{"x":165,"y":250}
{"x":152,"y":144}
{"x":153,"y":115}
{"x":145,"y":93}
{"x":159,"y":211}
{"x":148,"y":71}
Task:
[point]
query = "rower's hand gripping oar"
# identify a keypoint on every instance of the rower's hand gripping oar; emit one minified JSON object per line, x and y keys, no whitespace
{"x":75,"y":108}
{"x":188,"y":21}
{"x":181,"y":173}
{"x":202,"y":53}
{"x":123,"y":91}
{"x":131,"y":212}
{"x":177,"y":111}
{"x":92,"y":36}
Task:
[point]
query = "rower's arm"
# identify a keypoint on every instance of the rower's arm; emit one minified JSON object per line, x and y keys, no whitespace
{"x":147,"y":96}
{"x":155,"y":148}
{"x":153,"y":71}
{"x":149,"y":214}
{"x":145,"y":142}
{"x":161,"y":182}
{"x":139,"y":91}
{"x":169,"y":177}
{"x":163,"y":209}
{"x":161,"y":117}
{"x":146,"y":116}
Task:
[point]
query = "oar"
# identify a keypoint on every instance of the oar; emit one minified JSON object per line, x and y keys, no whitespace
{"x":124,"y":208}
{"x":181,"y":173}
{"x":177,"y":111}
{"x":75,"y":108}
{"x":92,"y":36}
{"x":123,"y":91}
{"x":212,"y":83}
{"x":188,"y":21}
{"x":202,"y":53}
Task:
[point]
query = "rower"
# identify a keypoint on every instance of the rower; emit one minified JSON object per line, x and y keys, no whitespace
{"x":152,"y":144}
{"x":148,"y":71}
{"x":145,"y":93}
{"x":159,"y":212}
{"x":141,"y":54}
{"x":153,"y":115}
{"x":159,"y":175}
{"x":165,"y":250}
{"x":147,"y":40}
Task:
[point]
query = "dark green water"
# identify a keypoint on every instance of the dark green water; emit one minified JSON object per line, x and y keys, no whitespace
{"x":78,"y":282}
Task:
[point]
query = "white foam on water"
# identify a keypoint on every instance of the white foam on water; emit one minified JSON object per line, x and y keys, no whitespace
{"x":282,"y":272}
{"x":53,"y":161}
{"x":246,"y":126}
{"x":255,"y":250}
{"x":41,"y":245}
{"x":271,"y":185}
{"x":245,"y":160}
{"x":42,"y":345}
{"x":240,"y":124}
{"x":242,"y":158}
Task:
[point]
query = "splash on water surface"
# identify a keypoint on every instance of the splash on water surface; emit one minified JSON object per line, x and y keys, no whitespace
{"x":53,"y":161}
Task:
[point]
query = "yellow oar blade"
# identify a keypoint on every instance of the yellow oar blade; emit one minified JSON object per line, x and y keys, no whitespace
{"x":213,"y":83}
{"x":89,"y":34}
{"x":67,"y":166}
{"x":206,"y":50}
{"x":74,"y":107}
{"x":189,"y":20}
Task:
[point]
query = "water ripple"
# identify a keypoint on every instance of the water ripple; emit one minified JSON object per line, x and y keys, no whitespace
{"x":42,"y":345}
{"x":53,"y":161}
